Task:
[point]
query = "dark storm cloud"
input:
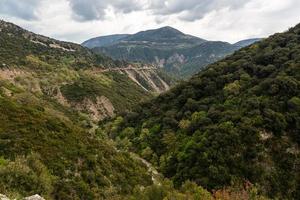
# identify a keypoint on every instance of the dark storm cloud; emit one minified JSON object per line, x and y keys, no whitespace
{"x":85,"y":10}
{"x":24,"y":9}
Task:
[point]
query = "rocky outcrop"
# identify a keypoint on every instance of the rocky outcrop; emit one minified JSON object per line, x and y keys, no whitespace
{"x":148,"y":79}
{"x":97,"y":110}
{"x":11,"y":74}
{"x":3,"y":197}
{"x":33,"y":197}
{"x":60,"y":98}
{"x":27,"y":78}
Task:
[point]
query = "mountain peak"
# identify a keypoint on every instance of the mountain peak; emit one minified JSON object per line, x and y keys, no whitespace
{"x":7,"y":25}
{"x":163,"y":32}
{"x":166,"y":33}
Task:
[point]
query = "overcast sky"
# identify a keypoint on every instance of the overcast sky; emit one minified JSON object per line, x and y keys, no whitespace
{"x":226,"y":20}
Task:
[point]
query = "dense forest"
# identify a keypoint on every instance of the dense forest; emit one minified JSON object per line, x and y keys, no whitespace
{"x":236,"y":122}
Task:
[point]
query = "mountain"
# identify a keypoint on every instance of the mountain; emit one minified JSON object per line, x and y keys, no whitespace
{"x":103,"y":41}
{"x":178,"y":54}
{"x":165,"y":36}
{"x":51,"y":95}
{"x":237,"y":122}
{"x":247,"y":42}
{"x":74,"y":76}
{"x":162,"y":37}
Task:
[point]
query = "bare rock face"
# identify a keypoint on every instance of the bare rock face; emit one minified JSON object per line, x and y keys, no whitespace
{"x":148,"y":79}
{"x":97,"y":110}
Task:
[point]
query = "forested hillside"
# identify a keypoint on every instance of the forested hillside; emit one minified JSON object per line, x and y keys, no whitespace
{"x":94,"y":85}
{"x":51,"y":95}
{"x":236,"y":122}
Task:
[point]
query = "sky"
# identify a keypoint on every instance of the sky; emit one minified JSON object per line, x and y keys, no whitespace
{"x":225,"y":20}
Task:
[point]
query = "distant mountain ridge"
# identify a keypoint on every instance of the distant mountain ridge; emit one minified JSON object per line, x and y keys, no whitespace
{"x":247,"y":42}
{"x":179,"y":54}
{"x":161,"y":37}
{"x":103,"y":40}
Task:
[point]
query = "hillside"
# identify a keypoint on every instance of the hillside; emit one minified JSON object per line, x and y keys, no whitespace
{"x":50,"y":94}
{"x":162,"y":37}
{"x":44,"y":151}
{"x":178,"y":54}
{"x":234,"y":123}
{"x":72,"y":75}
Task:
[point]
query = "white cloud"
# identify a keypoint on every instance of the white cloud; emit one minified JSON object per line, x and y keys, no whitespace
{"x":78,"y":20}
{"x":191,"y":10}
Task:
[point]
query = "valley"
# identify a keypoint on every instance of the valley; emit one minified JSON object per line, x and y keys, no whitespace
{"x":156,"y":115}
{"x":234,"y":123}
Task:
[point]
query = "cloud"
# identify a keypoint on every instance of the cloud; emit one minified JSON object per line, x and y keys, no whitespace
{"x":188,"y":10}
{"x":21,"y":9}
{"x":85,"y":10}
{"x":191,"y":10}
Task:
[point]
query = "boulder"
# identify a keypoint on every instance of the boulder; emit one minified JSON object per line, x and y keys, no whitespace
{"x":34,"y":197}
{"x":3,"y":197}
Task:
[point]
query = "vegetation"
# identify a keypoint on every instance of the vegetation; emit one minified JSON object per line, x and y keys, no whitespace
{"x":43,"y":153}
{"x":179,"y":54}
{"x":237,"y":121}
{"x":190,"y":191}
{"x":115,"y":86}
{"x":46,"y":145}
{"x":70,"y":75}
{"x":231,"y":132}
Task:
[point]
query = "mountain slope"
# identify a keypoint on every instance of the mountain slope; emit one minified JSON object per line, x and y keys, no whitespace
{"x":50,"y":91}
{"x":103,"y":41}
{"x":74,"y":76}
{"x":162,"y":37}
{"x":43,"y":151}
{"x":170,"y":49}
{"x":236,"y":122}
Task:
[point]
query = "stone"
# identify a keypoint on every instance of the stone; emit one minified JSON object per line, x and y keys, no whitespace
{"x":34,"y":197}
{"x":3,"y":197}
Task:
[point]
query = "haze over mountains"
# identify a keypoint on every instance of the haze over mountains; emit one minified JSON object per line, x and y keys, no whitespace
{"x":177,"y":53}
